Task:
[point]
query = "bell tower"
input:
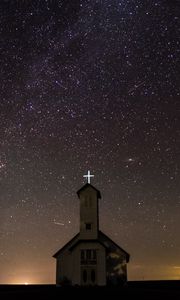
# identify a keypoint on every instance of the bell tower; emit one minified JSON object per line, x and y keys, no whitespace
{"x":89,"y":212}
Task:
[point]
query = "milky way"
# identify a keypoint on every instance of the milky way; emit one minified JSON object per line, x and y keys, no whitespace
{"x":89,"y":85}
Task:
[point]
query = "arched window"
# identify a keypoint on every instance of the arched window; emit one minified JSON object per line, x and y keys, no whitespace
{"x":85,"y":276}
{"x":93,"y":276}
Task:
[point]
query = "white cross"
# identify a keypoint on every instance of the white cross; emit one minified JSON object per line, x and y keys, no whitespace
{"x":88,"y":176}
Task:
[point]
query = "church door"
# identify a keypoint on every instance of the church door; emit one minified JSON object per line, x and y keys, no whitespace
{"x":88,"y":267}
{"x":88,"y":275}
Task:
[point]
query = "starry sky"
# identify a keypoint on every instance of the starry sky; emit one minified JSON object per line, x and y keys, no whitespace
{"x":89,"y":85}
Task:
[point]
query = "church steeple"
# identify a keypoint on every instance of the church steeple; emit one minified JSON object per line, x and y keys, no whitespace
{"x":89,"y":212}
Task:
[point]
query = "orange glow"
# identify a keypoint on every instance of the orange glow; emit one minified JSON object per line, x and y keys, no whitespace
{"x":151,"y":272}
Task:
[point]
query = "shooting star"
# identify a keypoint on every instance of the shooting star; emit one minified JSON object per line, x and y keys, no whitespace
{"x":135,"y":87}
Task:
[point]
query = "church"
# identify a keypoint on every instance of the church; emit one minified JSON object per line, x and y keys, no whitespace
{"x":90,"y":257}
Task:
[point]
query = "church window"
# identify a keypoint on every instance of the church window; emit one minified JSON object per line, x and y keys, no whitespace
{"x":88,"y":257}
{"x":93,"y":254}
{"x":84,"y":275}
{"x":93,"y":276}
{"x":88,"y":201}
{"x":82,"y":254}
{"x":88,"y":226}
{"x":88,"y":254}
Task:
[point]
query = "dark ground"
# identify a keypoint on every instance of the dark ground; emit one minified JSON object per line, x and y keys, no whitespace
{"x":137,"y":290}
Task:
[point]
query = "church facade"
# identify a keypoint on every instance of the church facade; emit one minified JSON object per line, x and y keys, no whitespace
{"x":91,"y":257}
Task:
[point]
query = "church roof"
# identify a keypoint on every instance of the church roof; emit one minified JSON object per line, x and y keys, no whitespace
{"x":106,"y":240}
{"x":103,"y":239}
{"x":67,"y":245}
{"x":86,"y":186}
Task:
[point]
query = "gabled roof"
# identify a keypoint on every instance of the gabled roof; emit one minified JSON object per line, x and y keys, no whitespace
{"x":103,"y":236}
{"x":103,"y":239}
{"x":89,"y":185}
{"x":67,"y":245}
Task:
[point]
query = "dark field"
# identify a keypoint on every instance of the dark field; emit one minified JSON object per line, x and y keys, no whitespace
{"x":133,"y":290}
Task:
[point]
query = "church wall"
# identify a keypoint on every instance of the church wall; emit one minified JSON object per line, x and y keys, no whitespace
{"x":64,"y":269}
{"x":68,"y":266}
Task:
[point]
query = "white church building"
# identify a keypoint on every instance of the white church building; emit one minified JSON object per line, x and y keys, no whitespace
{"x":90,"y":257}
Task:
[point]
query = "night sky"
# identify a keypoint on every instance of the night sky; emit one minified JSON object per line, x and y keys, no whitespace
{"x":89,"y":85}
